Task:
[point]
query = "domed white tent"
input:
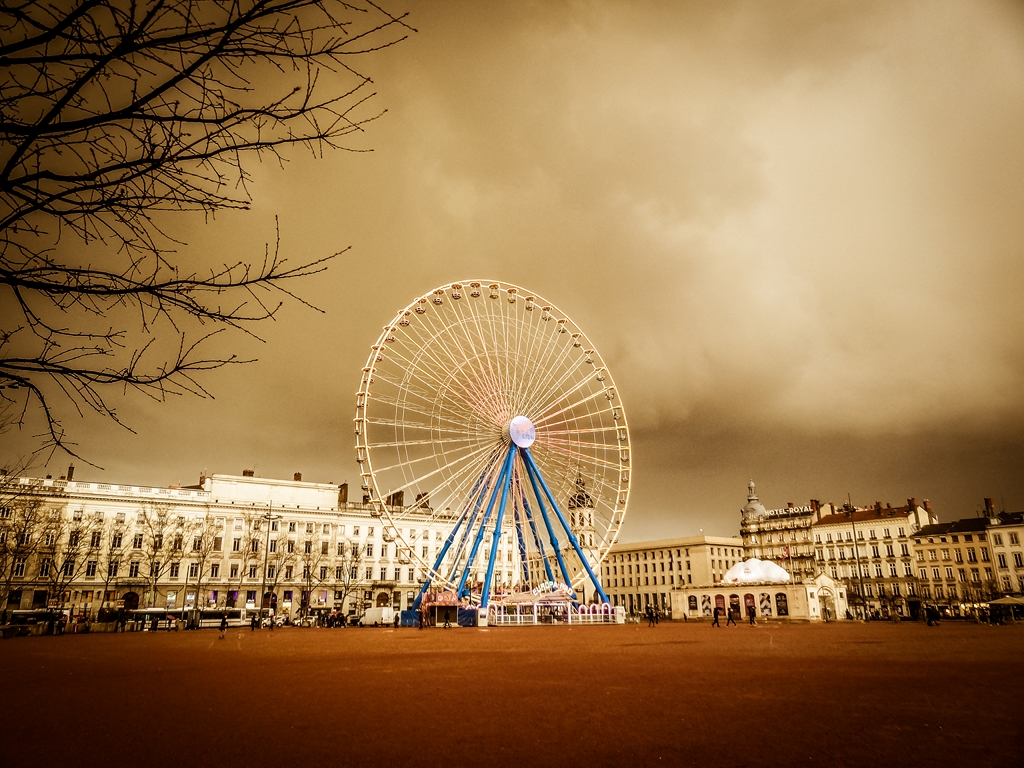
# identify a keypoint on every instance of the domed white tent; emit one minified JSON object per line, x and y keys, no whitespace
{"x":753,"y":571}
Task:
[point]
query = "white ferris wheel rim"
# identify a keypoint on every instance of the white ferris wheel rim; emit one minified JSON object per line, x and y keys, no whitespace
{"x":606,"y":414}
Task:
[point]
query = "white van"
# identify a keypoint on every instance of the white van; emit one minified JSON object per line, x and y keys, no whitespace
{"x":378,"y":617}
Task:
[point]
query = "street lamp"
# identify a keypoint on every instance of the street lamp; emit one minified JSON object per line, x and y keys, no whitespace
{"x":269,"y":517}
{"x":856,"y":558}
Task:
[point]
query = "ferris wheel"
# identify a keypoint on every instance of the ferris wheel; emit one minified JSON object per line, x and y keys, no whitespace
{"x":484,"y":408}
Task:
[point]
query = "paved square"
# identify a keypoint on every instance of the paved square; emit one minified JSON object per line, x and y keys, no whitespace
{"x":678,"y":694}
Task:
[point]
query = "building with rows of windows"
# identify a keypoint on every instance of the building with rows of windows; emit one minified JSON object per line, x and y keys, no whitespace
{"x":225,"y":542}
{"x":645,"y":573}
{"x":871,"y":552}
{"x":968,"y":562}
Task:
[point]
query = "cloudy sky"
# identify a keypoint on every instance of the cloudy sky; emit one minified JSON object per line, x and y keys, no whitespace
{"x":793,"y":230}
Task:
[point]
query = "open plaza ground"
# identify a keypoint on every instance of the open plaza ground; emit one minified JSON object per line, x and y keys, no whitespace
{"x":677,"y":694}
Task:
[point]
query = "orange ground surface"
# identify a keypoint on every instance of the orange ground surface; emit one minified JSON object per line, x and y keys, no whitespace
{"x":678,"y":694}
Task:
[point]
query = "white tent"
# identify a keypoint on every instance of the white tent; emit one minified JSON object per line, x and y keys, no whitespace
{"x":754,"y":570}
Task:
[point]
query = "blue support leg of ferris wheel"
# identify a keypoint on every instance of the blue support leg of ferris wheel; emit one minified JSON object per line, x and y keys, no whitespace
{"x":521,"y":544}
{"x":534,"y":475}
{"x":477,"y":496}
{"x":451,"y":537}
{"x":502,"y":478}
{"x":528,"y":459}
{"x":537,"y":537}
{"x":485,"y":596}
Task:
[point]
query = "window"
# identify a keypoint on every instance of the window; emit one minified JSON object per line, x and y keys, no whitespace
{"x":971,"y":556}
{"x":215,"y":570}
{"x":323,"y":547}
{"x":309,"y":528}
{"x":1018,"y":560}
{"x":193,"y":570}
{"x":133,"y":569}
{"x":94,"y":540}
{"x":234,"y":570}
{"x":218,"y":544}
{"x":197,"y":544}
{"x":236,"y":544}
{"x":933,"y":554}
{"x":44,"y":567}
{"x":958,"y":555}
{"x":136,"y":541}
{"x":369,"y":574}
{"x":1001,"y":560}
{"x":90,"y":569}
{"x":112,"y":568}
{"x":961,"y":576}
{"x":975,"y":576}
{"x":341,"y":530}
{"x":252,"y":571}
{"x":341,"y":550}
{"x":307,"y":547}
{"x":1014,"y":539}
{"x":412,"y":575}
{"x":305,"y":572}
{"x":175,"y":568}
{"x":355,"y":530}
{"x":326,"y":528}
{"x":271,"y":571}
{"x":997,"y":539}
{"x":369,"y":550}
{"x":949,"y":574}
{"x":288,"y":571}
{"x":904,"y":550}
{"x":291,"y":527}
{"x":984,"y":555}
{"x":290,"y":546}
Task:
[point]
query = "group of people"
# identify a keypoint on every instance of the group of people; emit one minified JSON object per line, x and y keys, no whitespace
{"x":731,"y":616}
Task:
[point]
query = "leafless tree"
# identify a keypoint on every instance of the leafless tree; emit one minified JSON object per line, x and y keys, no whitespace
{"x":314,"y":557}
{"x":114,"y":113}
{"x":348,"y":565}
{"x":163,"y":543}
{"x":111,"y":547}
{"x":67,"y":535}
{"x":207,"y":544}
{"x":22,"y":518}
{"x":250,"y":539}
{"x":281,"y":558}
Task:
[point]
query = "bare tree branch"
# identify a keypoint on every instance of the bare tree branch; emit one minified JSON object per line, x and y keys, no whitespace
{"x":113,"y":112}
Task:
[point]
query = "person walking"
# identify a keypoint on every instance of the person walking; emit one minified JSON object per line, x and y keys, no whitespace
{"x":223,"y":625}
{"x":731,"y":618}
{"x":447,"y":618}
{"x":252,"y":623}
{"x":752,"y":614}
{"x":715,"y":622}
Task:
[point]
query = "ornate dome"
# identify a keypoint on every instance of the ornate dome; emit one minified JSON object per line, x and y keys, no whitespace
{"x":753,"y":508}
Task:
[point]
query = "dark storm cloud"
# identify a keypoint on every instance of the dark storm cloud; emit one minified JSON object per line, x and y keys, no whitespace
{"x":793,"y":230}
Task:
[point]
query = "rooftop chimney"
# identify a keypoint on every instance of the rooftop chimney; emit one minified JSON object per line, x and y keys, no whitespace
{"x":927,"y":505}
{"x":248,"y":473}
{"x":71,"y":473}
{"x":912,"y":503}
{"x":789,"y":505}
{"x":297,"y":477}
{"x":343,"y":493}
{"x":990,"y":510}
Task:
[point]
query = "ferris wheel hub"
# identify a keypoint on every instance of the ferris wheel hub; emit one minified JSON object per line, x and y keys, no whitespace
{"x":522,"y":431}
